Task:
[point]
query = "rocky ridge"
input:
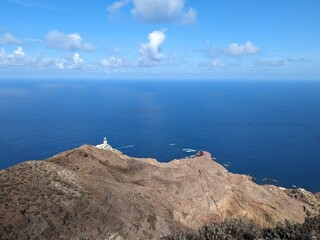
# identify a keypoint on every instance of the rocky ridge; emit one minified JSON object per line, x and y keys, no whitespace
{"x":91,"y":193}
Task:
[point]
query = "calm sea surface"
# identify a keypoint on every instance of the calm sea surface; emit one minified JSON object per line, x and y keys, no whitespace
{"x":268,"y":129}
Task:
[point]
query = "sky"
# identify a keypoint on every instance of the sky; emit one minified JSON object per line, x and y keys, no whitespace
{"x":160,"y":39}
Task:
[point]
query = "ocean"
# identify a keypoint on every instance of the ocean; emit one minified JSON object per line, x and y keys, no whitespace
{"x":267,"y":129}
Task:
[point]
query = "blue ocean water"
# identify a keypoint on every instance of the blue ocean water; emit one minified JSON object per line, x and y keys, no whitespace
{"x":268,"y":129}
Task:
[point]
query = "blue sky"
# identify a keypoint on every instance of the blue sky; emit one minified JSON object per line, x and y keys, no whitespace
{"x":160,"y":39}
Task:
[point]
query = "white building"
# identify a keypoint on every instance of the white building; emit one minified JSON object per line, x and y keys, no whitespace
{"x":104,"y":145}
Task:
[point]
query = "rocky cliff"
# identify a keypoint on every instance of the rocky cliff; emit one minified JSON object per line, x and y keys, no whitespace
{"x":91,"y":193}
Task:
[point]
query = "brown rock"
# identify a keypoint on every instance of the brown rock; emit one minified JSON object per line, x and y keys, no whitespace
{"x":102,"y":194}
{"x":317,"y":195}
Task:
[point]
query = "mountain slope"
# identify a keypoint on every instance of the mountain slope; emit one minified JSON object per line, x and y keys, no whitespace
{"x":103,"y":194}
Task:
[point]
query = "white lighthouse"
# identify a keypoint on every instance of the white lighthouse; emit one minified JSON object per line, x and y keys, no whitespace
{"x":104,"y":145}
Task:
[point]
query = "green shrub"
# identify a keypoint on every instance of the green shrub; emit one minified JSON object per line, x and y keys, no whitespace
{"x":238,"y":230}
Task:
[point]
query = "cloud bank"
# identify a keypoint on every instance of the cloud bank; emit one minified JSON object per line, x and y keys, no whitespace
{"x":70,"y":42}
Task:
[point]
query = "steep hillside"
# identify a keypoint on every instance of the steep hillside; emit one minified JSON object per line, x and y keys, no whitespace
{"x":103,"y":194}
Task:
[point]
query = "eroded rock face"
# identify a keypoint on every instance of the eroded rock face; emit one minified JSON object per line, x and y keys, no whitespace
{"x":102,"y":194}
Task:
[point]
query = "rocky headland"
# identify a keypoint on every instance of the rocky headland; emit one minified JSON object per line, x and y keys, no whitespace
{"x":93,"y":193}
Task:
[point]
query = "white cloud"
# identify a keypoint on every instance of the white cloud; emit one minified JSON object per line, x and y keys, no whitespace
{"x":247,"y":49}
{"x":233,"y":49}
{"x":33,"y":4}
{"x":18,"y":52}
{"x":116,"y":6}
{"x":57,"y":63}
{"x":8,"y":38}
{"x":298,"y":59}
{"x":112,"y":62}
{"x":165,"y":11}
{"x":175,"y":60}
{"x":218,"y":63}
{"x":270,"y":62}
{"x":34,"y":40}
{"x":77,"y":61}
{"x":20,"y":58}
{"x":3,"y":54}
{"x":61,"y":41}
{"x":45,"y":62}
{"x":17,"y":58}
{"x":150,"y":52}
{"x":60,"y":63}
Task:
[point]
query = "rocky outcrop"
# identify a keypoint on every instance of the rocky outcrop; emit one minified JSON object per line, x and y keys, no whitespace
{"x":103,"y":194}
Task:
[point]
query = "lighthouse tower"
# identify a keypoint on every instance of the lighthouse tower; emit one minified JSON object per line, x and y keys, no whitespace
{"x":104,"y":145}
{"x":105,"y":141}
